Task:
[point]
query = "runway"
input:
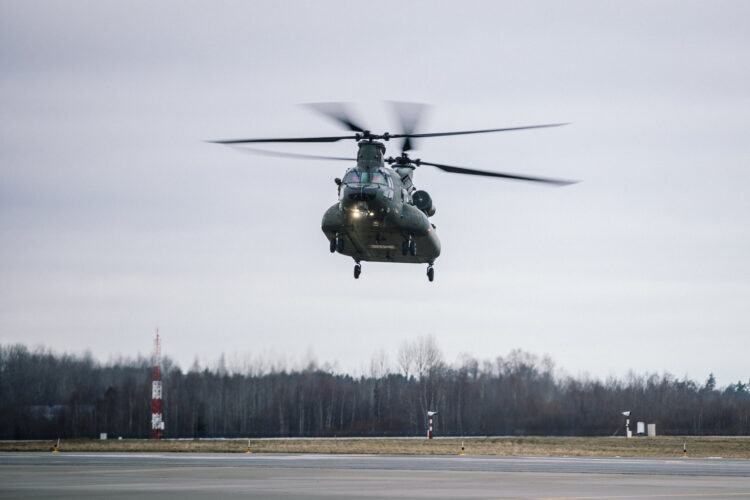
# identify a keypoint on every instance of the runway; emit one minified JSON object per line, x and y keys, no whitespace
{"x":178,"y":475}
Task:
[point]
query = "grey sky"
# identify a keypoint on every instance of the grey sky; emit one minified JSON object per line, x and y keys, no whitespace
{"x":116,"y":217}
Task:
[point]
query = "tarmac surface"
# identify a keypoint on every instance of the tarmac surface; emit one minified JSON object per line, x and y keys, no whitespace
{"x":278,"y":476}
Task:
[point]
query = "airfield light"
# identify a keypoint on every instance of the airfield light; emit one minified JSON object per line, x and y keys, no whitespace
{"x":430,"y":414}
{"x":628,"y":432}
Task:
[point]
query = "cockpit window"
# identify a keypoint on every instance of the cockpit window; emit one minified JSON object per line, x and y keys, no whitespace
{"x":358,"y":177}
{"x":352,"y":177}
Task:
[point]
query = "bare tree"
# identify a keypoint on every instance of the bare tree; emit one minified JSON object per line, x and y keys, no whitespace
{"x":427,"y":355}
{"x":406,"y":358}
{"x":379,"y":365}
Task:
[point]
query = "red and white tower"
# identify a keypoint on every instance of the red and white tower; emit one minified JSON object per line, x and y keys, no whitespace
{"x":430,"y":414}
{"x":157,"y":418}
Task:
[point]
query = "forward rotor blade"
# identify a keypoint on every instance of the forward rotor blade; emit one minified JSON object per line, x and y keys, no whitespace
{"x":286,"y":139}
{"x":409,"y":115}
{"x":279,"y":154}
{"x":338,"y":112}
{"x":465,"y":132}
{"x":487,"y":173}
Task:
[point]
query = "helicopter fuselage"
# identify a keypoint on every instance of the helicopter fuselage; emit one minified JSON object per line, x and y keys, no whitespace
{"x":375,"y":218}
{"x":380,"y":216}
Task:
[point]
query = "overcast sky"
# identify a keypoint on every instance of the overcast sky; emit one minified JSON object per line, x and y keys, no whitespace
{"x":116,"y":216}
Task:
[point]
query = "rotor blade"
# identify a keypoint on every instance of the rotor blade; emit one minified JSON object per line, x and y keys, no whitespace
{"x":487,"y":173}
{"x":409,"y":115}
{"x":464,"y":132}
{"x":279,"y":154}
{"x":286,"y":139}
{"x":338,"y":112}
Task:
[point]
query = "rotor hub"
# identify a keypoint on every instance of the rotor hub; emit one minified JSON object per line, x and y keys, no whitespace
{"x":403,"y":160}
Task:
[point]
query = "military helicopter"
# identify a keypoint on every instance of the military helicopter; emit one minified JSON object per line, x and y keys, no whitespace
{"x":380,"y":215}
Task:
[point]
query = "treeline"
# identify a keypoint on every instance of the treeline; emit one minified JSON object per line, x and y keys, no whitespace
{"x":48,"y":395}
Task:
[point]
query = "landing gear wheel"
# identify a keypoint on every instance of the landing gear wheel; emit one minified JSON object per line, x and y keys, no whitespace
{"x":333,"y":244}
{"x":405,"y":248}
{"x":412,"y":248}
{"x":357,"y":271}
{"x":430,"y":273}
{"x":340,"y":244}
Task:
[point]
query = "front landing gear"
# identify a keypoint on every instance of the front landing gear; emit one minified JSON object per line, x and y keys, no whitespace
{"x":337,"y":243}
{"x":430,"y":272}
{"x":409,"y":247}
{"x":357,"y":270}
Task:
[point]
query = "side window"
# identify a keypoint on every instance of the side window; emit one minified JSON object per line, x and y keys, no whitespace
{"x":378,"y":178}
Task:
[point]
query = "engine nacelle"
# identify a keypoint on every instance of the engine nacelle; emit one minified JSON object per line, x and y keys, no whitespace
{"x":423,"y":201}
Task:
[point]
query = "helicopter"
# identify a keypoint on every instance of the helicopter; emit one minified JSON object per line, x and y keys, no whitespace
{"x":380,"y":215}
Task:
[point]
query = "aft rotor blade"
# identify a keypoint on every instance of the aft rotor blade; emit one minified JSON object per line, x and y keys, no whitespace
{"x":287,"y":139}
{"x":280,"y":154}
{"x":465,"y":132}
{"x":338,"y":112}
{"x":409,"y":114}
{"x":503,"y":175}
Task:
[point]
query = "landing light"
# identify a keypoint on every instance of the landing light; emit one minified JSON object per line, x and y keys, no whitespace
{"x":359,"y":213}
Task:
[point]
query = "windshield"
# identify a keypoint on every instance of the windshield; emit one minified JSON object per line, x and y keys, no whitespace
{"x":359,"y":177}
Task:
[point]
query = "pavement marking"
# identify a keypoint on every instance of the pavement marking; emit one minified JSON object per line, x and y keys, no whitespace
{"x":657,"y":495}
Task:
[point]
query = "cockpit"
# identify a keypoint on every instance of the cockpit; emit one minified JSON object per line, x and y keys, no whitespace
{"x":360,"y":177}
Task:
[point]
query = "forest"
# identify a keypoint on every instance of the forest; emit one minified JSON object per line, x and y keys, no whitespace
{"x":45,"y":395}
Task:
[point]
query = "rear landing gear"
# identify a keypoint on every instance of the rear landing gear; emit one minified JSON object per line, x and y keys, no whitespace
{"x":333,"y":244}
{"x":430,"y":272}
{"x":357,"y":270}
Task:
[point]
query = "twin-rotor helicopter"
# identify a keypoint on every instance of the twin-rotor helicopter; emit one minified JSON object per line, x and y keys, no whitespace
{"x":381,"y":216}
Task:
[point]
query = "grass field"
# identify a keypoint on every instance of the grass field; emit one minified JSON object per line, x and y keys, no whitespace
{"x":663,"y":446}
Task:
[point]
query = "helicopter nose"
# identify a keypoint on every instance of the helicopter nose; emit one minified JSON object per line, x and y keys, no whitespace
{"x":360,"y":193}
